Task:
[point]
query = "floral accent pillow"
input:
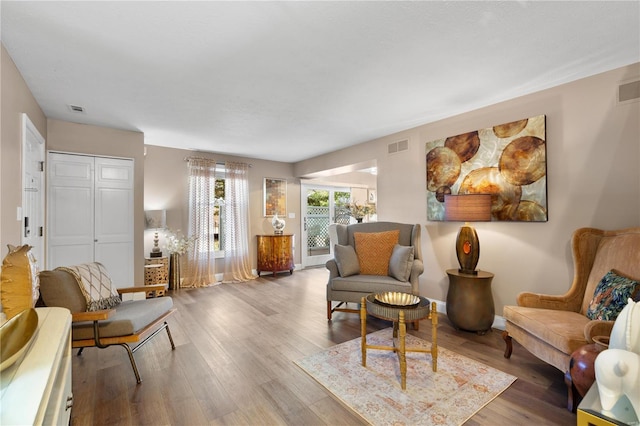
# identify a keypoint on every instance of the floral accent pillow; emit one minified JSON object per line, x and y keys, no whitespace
{"x":611,"y":295}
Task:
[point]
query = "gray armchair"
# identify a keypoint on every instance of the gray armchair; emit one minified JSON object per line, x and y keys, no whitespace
{"x":346,"y":283}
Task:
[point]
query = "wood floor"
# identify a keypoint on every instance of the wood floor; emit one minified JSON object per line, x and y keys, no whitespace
{"x":233,"y":364}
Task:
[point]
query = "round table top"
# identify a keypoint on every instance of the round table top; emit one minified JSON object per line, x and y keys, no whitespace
{"x":480,"y":274}
{"x":391,"y":313}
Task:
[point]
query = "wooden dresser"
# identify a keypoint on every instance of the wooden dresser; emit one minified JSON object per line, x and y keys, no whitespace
{"x":275,"y":253}
{"x":36,"y":390}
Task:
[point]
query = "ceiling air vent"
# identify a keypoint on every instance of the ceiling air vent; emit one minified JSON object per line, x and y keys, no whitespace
{"x":629,"y":91}
{"x":76,"y":108}
{"x":399,"y":146}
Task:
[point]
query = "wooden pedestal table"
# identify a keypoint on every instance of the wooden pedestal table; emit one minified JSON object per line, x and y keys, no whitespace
{"x":400,"y":316}
{"x":469,"y":301}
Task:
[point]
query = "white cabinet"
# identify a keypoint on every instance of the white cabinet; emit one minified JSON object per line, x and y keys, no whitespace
{"x":90,"y":213}
{"x":36,"y":390}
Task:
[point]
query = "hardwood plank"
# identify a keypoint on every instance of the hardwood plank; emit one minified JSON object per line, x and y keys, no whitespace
{"x":234,"y":363}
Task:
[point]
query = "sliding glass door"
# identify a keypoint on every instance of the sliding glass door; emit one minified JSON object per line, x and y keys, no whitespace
{"x":320,"y":208}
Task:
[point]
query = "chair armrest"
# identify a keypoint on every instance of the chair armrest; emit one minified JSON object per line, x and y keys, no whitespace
{"x":92,"y":315}
{"x":543,"y":301}
{"x":417,"y":268}
{"x":332,"y":266}
{"x":141,"y":289}
{"x":597,"y":328}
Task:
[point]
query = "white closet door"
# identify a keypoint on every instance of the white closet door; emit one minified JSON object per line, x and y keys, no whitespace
{"x":114,"y":218}
{"x":70,"y":210}
{"x":90,"y":210}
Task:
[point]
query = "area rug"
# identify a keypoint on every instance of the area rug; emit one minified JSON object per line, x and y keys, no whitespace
{"x":459,"y":389}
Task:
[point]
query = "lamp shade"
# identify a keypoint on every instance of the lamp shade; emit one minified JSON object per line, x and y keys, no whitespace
{"x":154,"y":219}
{"x":467,"y":208}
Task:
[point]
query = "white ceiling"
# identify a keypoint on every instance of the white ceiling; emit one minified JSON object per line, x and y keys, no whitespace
{"x":292,"y":80}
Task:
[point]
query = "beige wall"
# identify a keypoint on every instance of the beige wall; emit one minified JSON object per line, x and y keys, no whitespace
{"x":166,"y":187}
{"x":593,"y":152}
{"x":101,"y":141}
{"x":16,"y":99}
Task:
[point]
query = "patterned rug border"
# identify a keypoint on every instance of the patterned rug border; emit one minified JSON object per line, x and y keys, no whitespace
{"x":456,"y":392}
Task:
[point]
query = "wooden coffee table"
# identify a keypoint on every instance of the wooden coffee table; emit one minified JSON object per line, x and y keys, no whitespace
{"x":400,"y":316}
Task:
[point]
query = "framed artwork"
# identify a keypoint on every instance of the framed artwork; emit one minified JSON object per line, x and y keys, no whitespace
{"x":275,"y":197}
{"x":507,"y":161}
{"x":372,"y":196}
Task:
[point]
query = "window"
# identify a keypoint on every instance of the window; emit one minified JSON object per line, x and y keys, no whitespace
{"x":218,"y":215}
{"x":215,"y":208}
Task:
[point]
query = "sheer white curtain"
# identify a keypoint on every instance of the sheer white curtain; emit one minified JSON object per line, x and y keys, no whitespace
{"x":237,"y":264}
{"x":201,"y":263}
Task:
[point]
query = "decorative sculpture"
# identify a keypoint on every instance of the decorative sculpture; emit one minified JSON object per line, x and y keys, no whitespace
{"x":618,"y":368}
{"x":278,"y":224}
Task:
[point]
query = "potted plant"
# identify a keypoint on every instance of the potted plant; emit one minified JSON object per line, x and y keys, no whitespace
{"x":359,"y":210}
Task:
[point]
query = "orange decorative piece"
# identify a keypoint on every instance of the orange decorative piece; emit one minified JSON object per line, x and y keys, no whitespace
{"x":466,"y":247}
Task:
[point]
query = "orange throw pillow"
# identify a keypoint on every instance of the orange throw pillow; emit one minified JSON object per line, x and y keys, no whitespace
{"x":374,"y":251}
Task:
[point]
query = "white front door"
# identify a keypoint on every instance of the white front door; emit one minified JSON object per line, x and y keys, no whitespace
{"x":33,"y":190}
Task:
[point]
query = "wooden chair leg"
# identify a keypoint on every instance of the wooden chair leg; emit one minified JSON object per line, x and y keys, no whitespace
{"x":507,"y":339}
{"x":329,"y":310}
{"x":573,"y":397}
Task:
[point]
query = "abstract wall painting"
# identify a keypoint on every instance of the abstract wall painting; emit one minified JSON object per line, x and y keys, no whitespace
{"x":275,"y":197}
{"x":507,"y":161}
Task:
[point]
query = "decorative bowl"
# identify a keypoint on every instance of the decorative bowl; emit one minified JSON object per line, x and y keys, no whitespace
{"x":395,"y":298}
{"x":15,"y":336}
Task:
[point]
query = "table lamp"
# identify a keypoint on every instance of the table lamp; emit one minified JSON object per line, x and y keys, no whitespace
{"x":155,"y":219}
{"x":467,"y":208}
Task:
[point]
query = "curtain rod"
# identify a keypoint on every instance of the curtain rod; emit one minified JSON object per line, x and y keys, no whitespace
{"x":210,"y":159}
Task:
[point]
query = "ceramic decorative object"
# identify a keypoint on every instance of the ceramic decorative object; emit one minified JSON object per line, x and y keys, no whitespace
{"x":278,"y":224}
{"x":581,"y":366}
{"x":20,"y":287}
{"x":618,"y":368}
{"x":15,"y":336}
